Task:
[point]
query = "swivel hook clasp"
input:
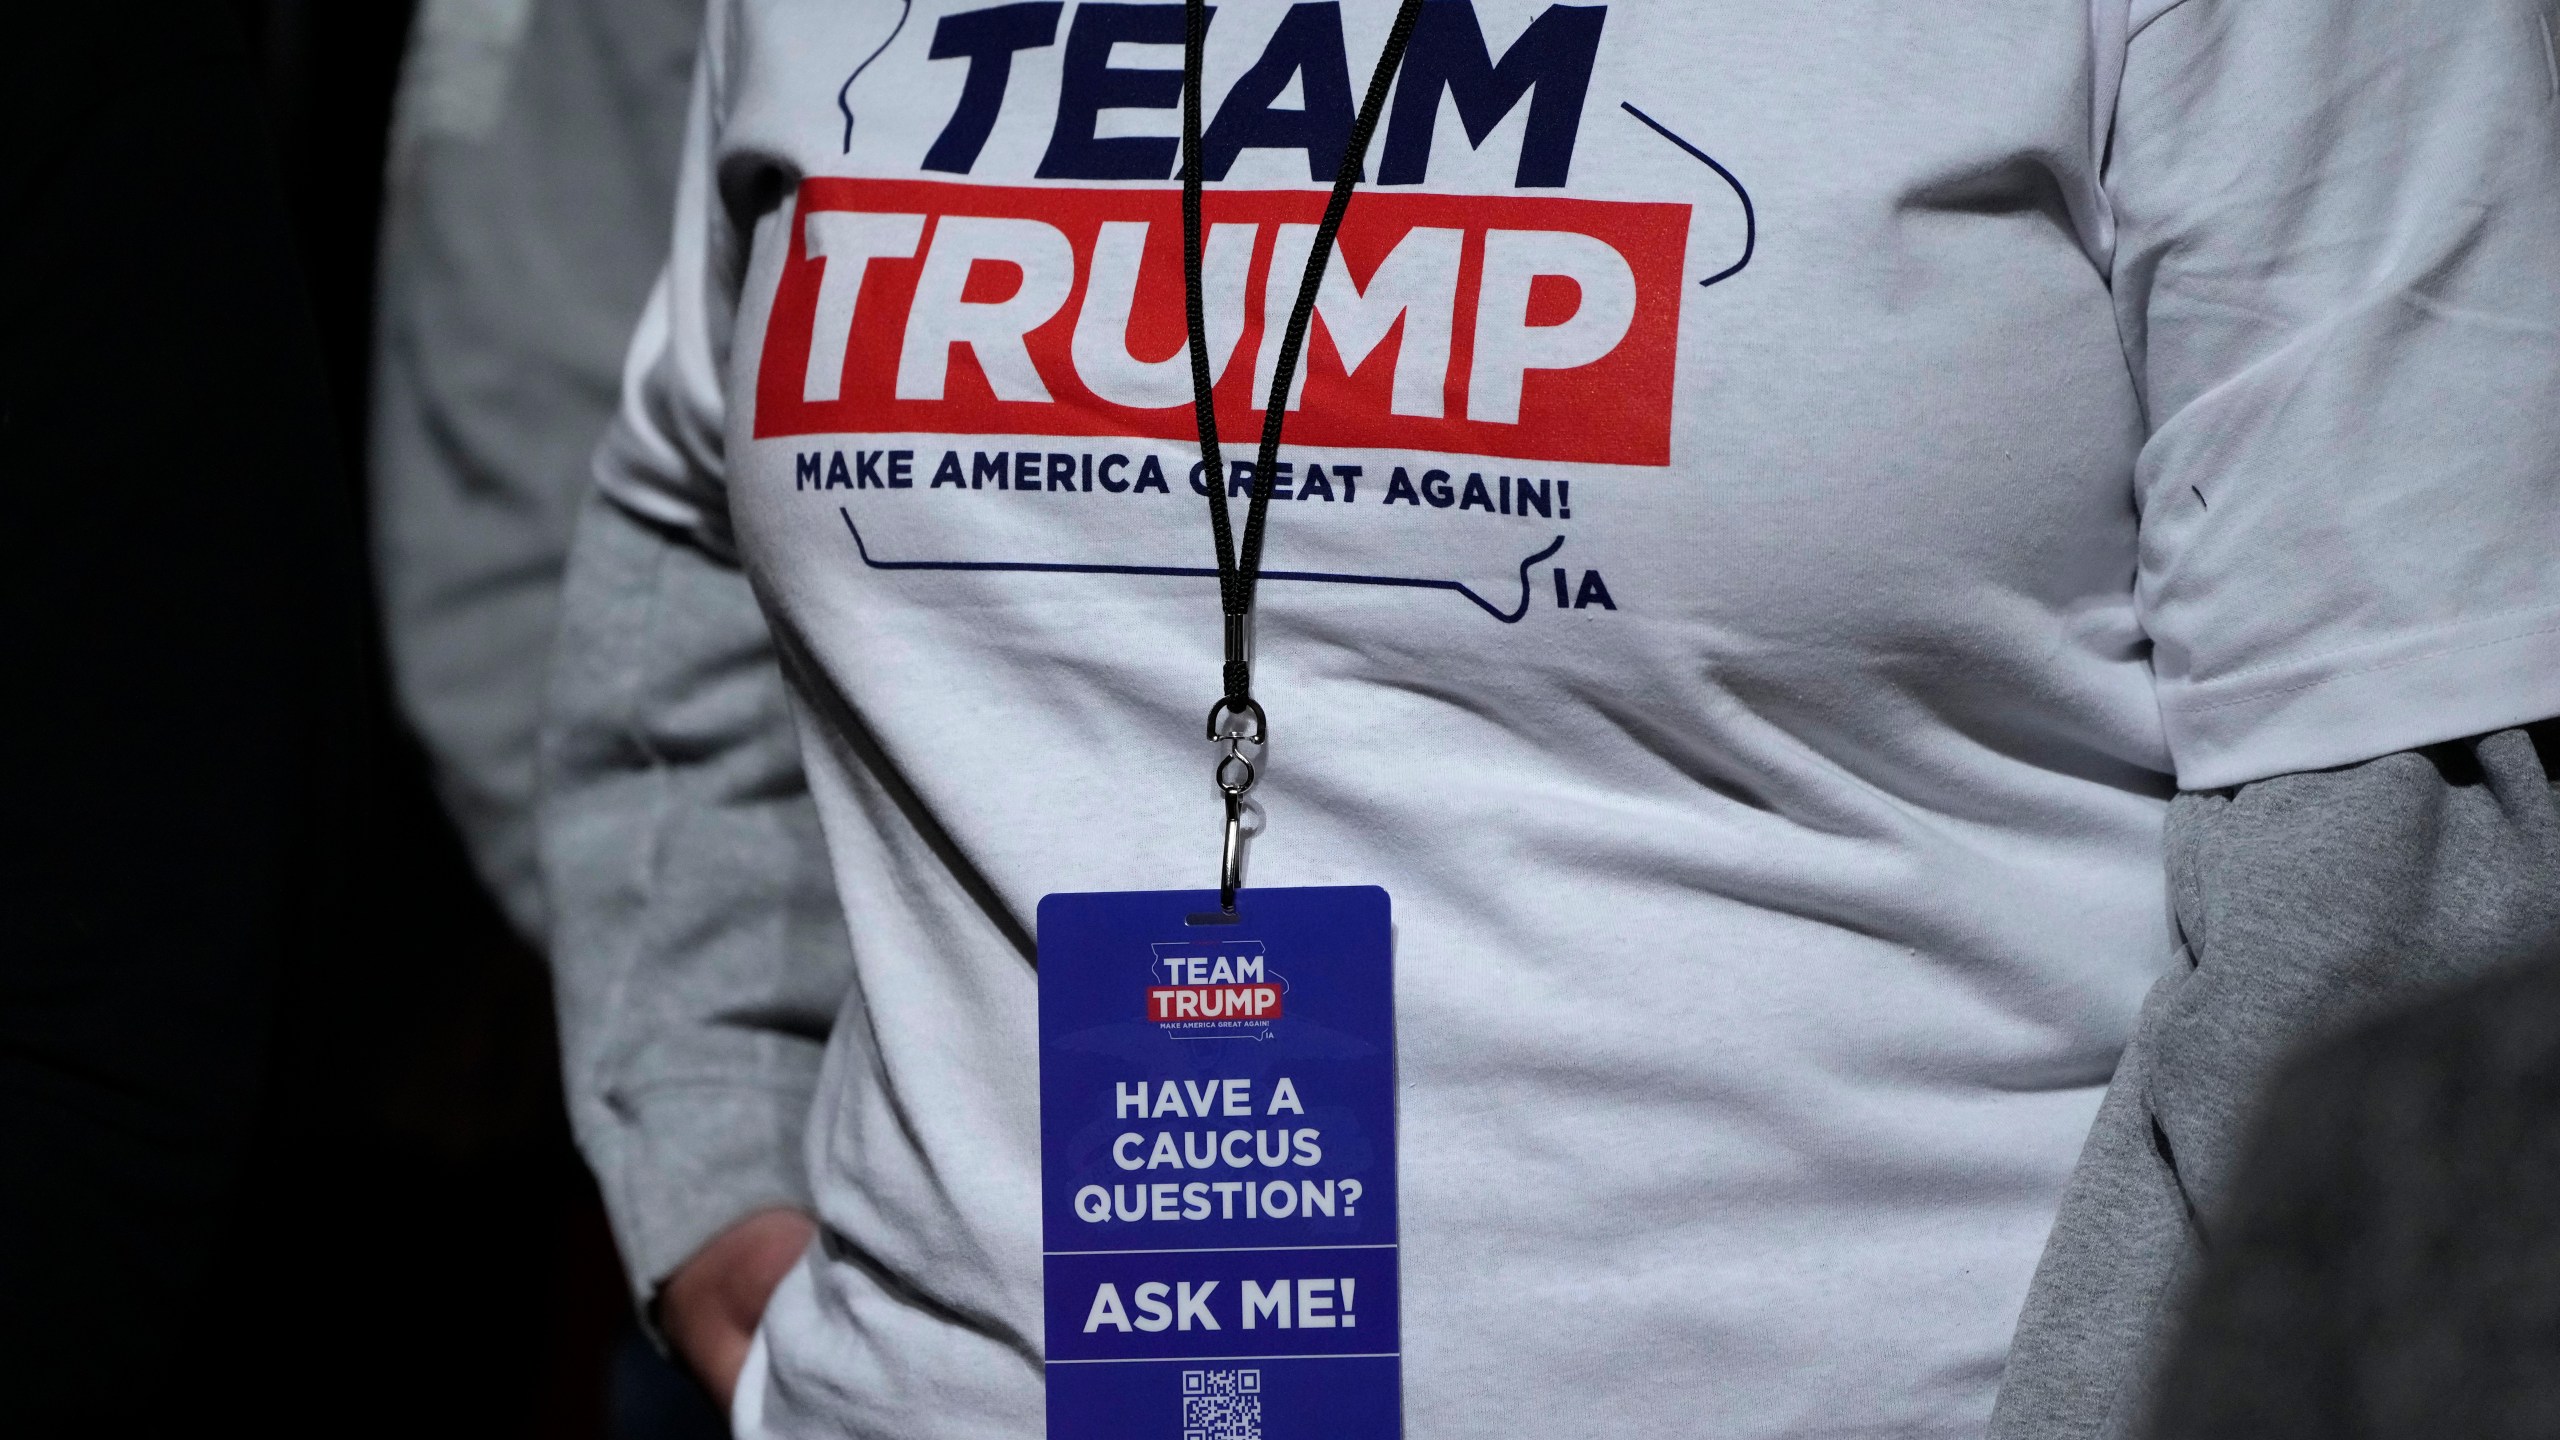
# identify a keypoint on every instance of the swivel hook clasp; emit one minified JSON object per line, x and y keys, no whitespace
{"x":1235,"y":775}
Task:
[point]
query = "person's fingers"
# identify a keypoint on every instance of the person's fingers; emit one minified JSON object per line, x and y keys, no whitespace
{"x":712,"y":1304}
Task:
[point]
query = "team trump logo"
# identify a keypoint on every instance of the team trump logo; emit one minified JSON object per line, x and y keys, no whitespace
{"x":1204,"y":987}
{"x":1537,"y":327}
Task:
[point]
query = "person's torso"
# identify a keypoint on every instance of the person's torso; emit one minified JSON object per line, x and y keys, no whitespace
{"x":1699,"y":590}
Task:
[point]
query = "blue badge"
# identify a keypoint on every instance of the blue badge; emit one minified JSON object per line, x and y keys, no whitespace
{"x":1218,"y":1165}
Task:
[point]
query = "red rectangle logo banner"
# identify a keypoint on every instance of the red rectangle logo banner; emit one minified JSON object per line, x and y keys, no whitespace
{"x":1533,"y":327}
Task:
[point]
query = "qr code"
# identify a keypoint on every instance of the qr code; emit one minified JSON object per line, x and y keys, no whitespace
{"x":1221,"y":1405}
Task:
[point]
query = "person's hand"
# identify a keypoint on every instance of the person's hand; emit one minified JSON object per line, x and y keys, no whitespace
{"x":710,"y":1306}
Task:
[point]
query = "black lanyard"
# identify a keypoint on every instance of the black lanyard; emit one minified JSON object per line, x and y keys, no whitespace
{"x":1237,"y":719}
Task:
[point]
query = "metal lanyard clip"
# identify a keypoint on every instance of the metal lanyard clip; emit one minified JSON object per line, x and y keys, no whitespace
{"x":1235,"y":775}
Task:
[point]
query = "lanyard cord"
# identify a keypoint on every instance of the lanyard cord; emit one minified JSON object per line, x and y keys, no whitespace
{"x":1236,"y":718}
{"x":1237,"y":572}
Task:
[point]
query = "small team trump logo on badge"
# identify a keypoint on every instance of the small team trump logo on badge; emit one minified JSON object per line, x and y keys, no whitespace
{"x":1218,"y":991}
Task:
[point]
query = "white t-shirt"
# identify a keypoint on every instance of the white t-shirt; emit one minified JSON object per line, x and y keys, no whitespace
{"x":1770,"y":521}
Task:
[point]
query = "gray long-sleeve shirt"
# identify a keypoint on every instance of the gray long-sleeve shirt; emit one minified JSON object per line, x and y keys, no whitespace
{"x":700,"y":956}
{"x":2307,"y":902}
{"x":533,"y":160}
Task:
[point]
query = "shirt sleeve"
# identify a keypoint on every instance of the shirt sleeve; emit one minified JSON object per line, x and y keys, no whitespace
{"x":699,"y":953}
{"x":662,"y":458}
{"x":2338,"y":283}
{"x":2308,"y":904}
{"x":2377,"y":1268}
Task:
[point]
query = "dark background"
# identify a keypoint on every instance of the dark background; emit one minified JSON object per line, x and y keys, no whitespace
{"x":410,"y":1246}
{"x":282,"y":1148}
{"x":415,"y":1227}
